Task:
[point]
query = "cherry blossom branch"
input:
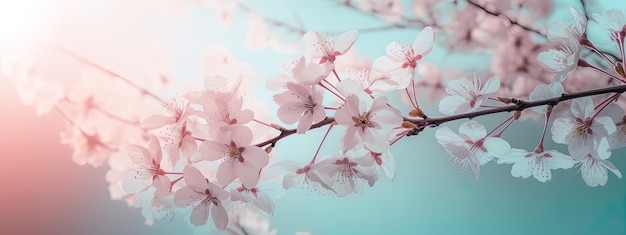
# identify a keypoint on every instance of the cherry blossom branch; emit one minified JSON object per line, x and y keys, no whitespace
{"x":287,"y":132}
{"x":348,"y":5}
{"x":498,"y":14}
{"x":518,"y":105}
{"x":272,"y":21}
{"x":113,"y":74}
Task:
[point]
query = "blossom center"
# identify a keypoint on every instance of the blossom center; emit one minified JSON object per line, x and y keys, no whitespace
{"x":326,"y":48}
{"x":583,"y":129}
{"x":346,"y":169}
{"x":235,"y":152}
{"x":309,"y":105}
{"x":475,"y":146}
{"x":363,"y":122}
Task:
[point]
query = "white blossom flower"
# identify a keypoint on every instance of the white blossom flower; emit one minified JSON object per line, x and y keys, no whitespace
{"x":344,"y":173}
{"x":301,"y":175}
{"x":325,"y":49}
{"x":302,"y":104}
{"x":560,"y":31}
{"x":562,"y":60}
{"x":613,"y":20}
{"x":471,"y":147}
{"x":401,"y":60}
{"x":618,"y":138}
{"x":177,"y":110}
{"x":585,"y":133}
{"x":146,"y":168}
{"x":537,"y":163}
{"x":545,"y":91}
{"x":467,"y":95}
{"x":240,"y":159}
{"x":368,"y":122}
{"x":594,"y":170}
{"x":209,"y":196}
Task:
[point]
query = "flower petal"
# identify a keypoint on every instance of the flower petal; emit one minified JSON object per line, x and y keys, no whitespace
{"x":227,"y":172}
{"x":187,"y":196}
{"x":194,"y":179}
{"x":200,"y":214}
{"x":345,"y":41}
{"x":220,"y":217}
{"x":424,"y":42}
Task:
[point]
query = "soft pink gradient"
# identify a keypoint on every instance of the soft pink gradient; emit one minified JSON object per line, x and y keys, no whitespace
{"x":43,"y":191}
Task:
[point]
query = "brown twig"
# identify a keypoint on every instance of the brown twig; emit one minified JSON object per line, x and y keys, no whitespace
{"x":500,"y":14}
{"x":271,"y":21}
{"x":518,"y":105}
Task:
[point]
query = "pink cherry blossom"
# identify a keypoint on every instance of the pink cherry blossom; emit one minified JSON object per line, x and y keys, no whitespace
{"x":560,"y":31}
{"x":368,"y":122}
{"x":386,"y":161}
{"x":209,"y":196}
{"x":147,"y":169}
{"x":467,"y":95}
{"x":545,"y":91}
{"x":89,"y":148}
{"x":613,"y":20}
{"x":594,"y":170}
{"x":261,"y":197}
{"x":302,"y":104}
{"x":155,"y":204}
{"x":177,"y":110}
{"x":301,"y":72}
{"x":618,"y":138}
{"x":240,"y":158}
{"x":537,"y":163}
{"x":471,"y":147}
{"x":180,"y":139}
{"x":390,"y":10}
{"x":323,"y":49}
{"x":224,"y":109}
{"x":119,"y":166}
{"x":562,"y":60}
{"x":401,"y":60}
{"x":301,"y":175}
{"x":585,"y":133}
{"x":345,"y":173}
{"x":372,"y":82}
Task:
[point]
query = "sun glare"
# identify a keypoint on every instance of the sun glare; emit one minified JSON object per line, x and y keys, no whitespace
{"x":20,"y":22}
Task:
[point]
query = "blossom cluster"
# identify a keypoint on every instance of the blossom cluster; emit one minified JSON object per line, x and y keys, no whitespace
{"x":208,"y":154}
{"x":312,"y":94}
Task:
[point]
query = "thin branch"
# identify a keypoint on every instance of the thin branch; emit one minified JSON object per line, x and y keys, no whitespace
{"x":519,"y":105}
{"x":112,"y":74}
{"x":272,"y":21}
{"x":350,"y":6}
{"x":512,"y":21}
{"x":422,"y":124}
{"x":288,"y":132}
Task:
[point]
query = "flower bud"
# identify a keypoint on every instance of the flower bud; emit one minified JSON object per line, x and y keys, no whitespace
{"x":416,"y":113}
{"x":409,"y":125}
{"x":269,"y":149}
{"x":276,"y":126}
{"x":505,"y":100}
{"x":517,"y":114}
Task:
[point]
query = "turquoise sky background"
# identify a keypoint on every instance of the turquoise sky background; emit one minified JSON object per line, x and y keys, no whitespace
{"x":428,"y":197}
